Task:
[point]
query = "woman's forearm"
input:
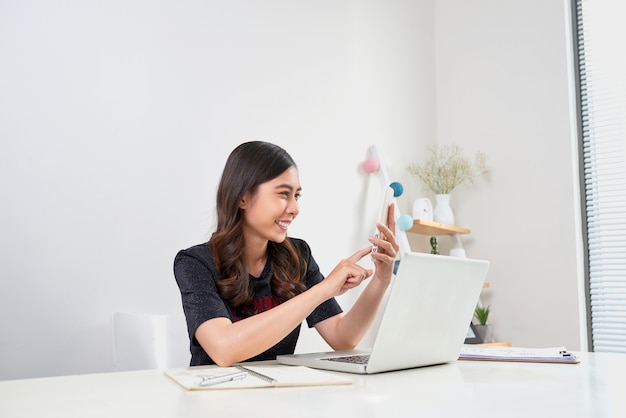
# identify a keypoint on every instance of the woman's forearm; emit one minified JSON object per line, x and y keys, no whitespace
{"x":229,"y":342}
{"x":357,"y":321}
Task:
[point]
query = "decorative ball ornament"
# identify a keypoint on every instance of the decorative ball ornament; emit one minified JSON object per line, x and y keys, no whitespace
{"x":404,"y":222}
{"x":398,"y":189}
{"x":371,"y":165}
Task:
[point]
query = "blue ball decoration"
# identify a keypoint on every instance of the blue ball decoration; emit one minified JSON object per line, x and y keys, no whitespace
{"x":397,"y":188}
{"x":405,"y":222}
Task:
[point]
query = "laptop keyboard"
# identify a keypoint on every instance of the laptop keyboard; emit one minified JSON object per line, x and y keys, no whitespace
{"x":356,"y":359}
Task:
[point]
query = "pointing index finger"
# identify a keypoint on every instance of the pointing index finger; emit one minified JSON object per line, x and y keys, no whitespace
{"x":360,"y":254}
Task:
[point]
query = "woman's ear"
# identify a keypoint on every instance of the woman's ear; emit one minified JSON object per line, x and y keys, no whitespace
{"x":245,"y":201}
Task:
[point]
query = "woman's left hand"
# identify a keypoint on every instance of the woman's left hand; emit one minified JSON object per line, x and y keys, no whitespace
{"x":388,"y":247}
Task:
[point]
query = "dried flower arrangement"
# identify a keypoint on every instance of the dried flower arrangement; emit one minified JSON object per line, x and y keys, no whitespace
{"x":447,"y":168}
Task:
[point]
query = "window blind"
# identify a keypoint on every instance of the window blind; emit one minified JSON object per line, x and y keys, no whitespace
{"x":601,"y":59}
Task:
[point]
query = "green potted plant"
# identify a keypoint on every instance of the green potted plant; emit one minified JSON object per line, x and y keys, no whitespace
{"x":483,"y":328}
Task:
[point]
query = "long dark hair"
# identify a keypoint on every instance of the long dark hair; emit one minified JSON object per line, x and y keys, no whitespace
{"x":248,"y":166}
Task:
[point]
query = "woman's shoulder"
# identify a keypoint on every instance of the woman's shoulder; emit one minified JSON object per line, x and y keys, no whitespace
{"x":200,"y":252}
{"x":300,"y":244}
{"x":302,"y":247}
{"x":194,"y":268}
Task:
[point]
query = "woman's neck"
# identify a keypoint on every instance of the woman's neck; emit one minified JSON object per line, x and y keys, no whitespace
{"x":256,"y":258}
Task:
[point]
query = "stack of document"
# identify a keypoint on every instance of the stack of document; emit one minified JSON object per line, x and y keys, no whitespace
{"x":498,"y":353}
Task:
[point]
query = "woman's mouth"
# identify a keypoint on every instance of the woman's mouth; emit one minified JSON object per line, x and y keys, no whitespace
{"x":283,"y":224}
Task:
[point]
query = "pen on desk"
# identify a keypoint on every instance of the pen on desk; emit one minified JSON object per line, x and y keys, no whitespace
{"x":214,"y":380}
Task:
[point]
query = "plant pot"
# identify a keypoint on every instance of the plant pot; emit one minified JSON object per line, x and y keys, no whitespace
{"x":485,"y":332}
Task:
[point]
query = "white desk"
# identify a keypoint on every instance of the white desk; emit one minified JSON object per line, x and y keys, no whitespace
{"x":593,"y":388}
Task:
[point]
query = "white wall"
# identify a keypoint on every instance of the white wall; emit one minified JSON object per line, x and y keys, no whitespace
{"x":503,"y":88}
{"x":116,"y":119}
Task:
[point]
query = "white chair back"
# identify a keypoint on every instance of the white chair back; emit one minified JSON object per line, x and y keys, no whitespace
{"x":149,"y":341}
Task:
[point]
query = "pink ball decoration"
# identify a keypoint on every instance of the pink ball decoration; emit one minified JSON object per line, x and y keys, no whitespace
{"x":371,"y":165}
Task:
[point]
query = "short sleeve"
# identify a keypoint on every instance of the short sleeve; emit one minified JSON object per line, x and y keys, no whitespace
{"x":195,"y":275}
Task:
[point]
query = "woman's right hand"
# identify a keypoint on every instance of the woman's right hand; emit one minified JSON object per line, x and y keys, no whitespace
{"x":347,"y":274}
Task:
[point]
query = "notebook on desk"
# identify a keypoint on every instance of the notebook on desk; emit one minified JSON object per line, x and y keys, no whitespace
{"x":429,"y":308}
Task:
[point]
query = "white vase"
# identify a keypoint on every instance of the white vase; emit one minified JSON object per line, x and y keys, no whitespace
{"x":443,"y":212}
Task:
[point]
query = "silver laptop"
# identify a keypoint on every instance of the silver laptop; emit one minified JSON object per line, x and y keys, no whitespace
{"x":430,"y":306}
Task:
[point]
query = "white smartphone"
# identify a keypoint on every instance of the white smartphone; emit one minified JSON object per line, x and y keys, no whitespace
{"x":383,"y":213}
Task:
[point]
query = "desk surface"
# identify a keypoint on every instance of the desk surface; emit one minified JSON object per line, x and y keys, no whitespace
{"x":593,"y":388}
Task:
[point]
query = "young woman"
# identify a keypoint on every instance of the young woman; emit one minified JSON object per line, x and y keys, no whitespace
{"x":246,"y":292}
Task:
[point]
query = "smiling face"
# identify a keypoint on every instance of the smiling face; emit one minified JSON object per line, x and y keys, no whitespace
{"x":269,"y":212}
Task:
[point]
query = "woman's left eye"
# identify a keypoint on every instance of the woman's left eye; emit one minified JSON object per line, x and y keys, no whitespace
{"x":287,"y":194}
